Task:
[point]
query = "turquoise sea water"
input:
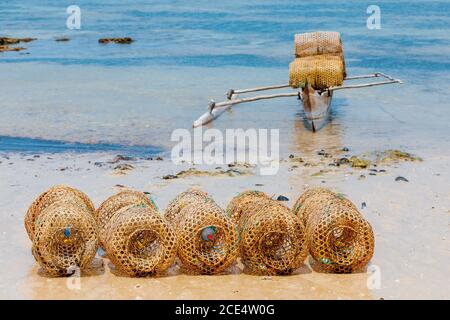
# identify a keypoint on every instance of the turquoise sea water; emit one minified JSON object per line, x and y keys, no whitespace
{"x":188,"y":52}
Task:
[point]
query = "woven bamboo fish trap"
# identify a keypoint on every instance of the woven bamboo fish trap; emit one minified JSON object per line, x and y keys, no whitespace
{"x":340,"y":240}
{"x":52,"y":195}
{"x":272,"y":239}
{"x":139,"y":241}
{"x":113,"y":204}
{"x":208,"y":239}
{"x":65,"y":237}
{"x":321,"y":71}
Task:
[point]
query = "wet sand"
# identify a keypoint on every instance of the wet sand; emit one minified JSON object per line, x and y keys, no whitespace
{"x":410,"y":222}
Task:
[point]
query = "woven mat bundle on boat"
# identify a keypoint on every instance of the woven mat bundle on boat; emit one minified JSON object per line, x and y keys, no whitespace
{"x":321,"y":71}
{"x":272,"y":239}
{"x":113,"y":204}
{"x":316,"y":43}
{"x":208,"y":239}
{"x":52,"y":195}
{"x":340,"y":240}
{"x":139,"y":241}
{"x":65,"y":237}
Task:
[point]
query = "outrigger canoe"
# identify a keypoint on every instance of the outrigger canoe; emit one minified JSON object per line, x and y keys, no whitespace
{"x":316,"y":104}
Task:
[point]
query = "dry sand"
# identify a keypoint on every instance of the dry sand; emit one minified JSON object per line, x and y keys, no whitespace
{"x":410,"y":221}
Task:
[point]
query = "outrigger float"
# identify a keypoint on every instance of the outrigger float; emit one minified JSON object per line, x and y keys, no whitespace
{"x":316,"y":103}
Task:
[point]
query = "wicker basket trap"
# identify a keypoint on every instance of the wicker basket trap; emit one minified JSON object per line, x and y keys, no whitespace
{"x":208,"y":239}
{"x":54,"y":194}
{"x":272,"y":239}
{"x":340,"y":240}
{"x":139,"y":241}
{"x":65,"y":237}
{"x":113,"y":204}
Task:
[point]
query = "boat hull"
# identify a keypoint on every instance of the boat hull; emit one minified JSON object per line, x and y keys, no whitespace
{"x":317,"y":107}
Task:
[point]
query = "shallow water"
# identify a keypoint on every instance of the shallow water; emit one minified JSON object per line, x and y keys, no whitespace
{"x":186,"y":54}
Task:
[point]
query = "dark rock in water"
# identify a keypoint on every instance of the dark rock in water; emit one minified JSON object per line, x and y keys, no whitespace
{"x":400,"y":178}
{"x":291,"y":156}
{"x":363,"y":205}
{"x":282,"y":198}
{"x":169,"y":177}
{"x":372,"y":174}
{"x":159,"y":158}
{"x":8,"y":48}
{"x":259,"y":184}
{"x":62,"y":39}
{"x":99,"y":164}
{"x":125,"y":40}
{"x":373,"y":170}
{"x":381,"y":170}
{"x":119,"y":186}
{"x":362,"y":177}
{"x":5,"y":43}
{"x":345,"y":149}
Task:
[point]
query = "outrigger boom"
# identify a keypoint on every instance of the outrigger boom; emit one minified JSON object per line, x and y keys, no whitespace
{"x":315,"y":103}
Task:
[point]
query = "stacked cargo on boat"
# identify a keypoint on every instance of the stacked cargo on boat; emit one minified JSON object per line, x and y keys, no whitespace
{"x":319,"y":60}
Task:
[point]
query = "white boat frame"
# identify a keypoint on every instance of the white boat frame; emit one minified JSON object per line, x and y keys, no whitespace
{"x":316,"y":104}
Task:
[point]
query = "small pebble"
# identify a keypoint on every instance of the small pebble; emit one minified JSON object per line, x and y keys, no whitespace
{"x":363,"y":205}
{"x":282,"y":198}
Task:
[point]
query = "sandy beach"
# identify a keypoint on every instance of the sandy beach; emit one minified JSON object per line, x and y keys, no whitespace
{"x":410,"y":222}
